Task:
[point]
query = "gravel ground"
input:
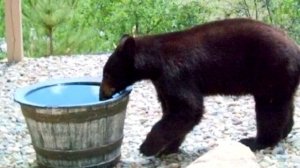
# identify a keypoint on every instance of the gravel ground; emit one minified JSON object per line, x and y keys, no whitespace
{"x":226,"y":118}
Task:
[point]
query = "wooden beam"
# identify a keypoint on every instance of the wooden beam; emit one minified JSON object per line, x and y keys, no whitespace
{"x":13,"y":25}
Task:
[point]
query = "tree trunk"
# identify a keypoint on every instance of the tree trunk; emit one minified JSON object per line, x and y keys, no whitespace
{"x":269,"y":11}
{"x":247,"y":9}
{"x":137,"y":24}
{"x":256,"y":9}
{"x":50,"y":42}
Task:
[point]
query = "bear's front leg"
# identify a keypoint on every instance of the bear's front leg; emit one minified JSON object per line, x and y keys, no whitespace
{"x":183,"y":113}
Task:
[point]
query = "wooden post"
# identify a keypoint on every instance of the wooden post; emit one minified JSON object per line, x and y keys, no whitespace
{"x":13,"y":24}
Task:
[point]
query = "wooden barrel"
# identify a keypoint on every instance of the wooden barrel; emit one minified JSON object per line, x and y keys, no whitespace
{"x":77,"y":136}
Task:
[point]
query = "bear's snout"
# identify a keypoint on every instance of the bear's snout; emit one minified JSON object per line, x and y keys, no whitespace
{"x":106,"y":91}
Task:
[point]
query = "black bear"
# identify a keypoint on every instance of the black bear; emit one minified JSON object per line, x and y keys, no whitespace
{"x":228,"y":57}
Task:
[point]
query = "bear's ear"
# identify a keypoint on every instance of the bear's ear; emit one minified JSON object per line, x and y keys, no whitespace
{"x":127,"y":45}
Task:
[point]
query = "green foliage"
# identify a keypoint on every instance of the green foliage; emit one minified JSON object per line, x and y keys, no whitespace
{"x":281,"y":13}
{"x":60,"y":27}
{"x":2,"y":55}
{"x":287,"y":16}
{"x":50,"y":27}
{"x":112,"y":19}
{"x":2,"y":18}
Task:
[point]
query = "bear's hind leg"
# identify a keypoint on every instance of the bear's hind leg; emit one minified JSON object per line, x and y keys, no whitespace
{"x":290,"y":122}
{"x":274,"y":117}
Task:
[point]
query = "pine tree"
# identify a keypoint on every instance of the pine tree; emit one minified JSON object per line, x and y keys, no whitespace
{"x":48,"y":15}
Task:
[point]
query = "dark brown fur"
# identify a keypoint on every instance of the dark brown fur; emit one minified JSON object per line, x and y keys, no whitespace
{"x":230,"y":57}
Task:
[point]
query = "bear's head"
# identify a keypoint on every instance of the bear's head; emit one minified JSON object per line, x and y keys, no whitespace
{"x":118,"y":72}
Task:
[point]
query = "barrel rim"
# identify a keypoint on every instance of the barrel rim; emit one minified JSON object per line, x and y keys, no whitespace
{"x":20,"y":94}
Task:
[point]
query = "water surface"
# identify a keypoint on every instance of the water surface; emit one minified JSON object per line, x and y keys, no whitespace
{"x":64,"y":95}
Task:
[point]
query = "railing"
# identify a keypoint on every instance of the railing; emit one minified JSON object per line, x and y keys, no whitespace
{"x":13,"y":25}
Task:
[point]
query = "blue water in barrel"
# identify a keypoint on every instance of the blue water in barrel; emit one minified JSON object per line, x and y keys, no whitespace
{"x":64,"y":94}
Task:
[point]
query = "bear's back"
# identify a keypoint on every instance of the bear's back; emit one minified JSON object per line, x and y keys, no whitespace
{"x":230,"y":56}
{"x":246,"y":30}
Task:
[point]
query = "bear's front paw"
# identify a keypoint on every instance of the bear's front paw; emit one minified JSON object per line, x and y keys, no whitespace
{"x":168,"y":151}
{"x":171,"y":148}
{"x":153,"y":145}
{"x":150,"y":149}
{"x":253,"y":144}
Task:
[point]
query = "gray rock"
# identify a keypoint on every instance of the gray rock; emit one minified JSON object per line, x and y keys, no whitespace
{"x":227,"y":155}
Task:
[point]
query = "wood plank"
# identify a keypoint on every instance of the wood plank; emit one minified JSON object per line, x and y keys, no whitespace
{"x":49,"y":137}
{"x":13,"y":22}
